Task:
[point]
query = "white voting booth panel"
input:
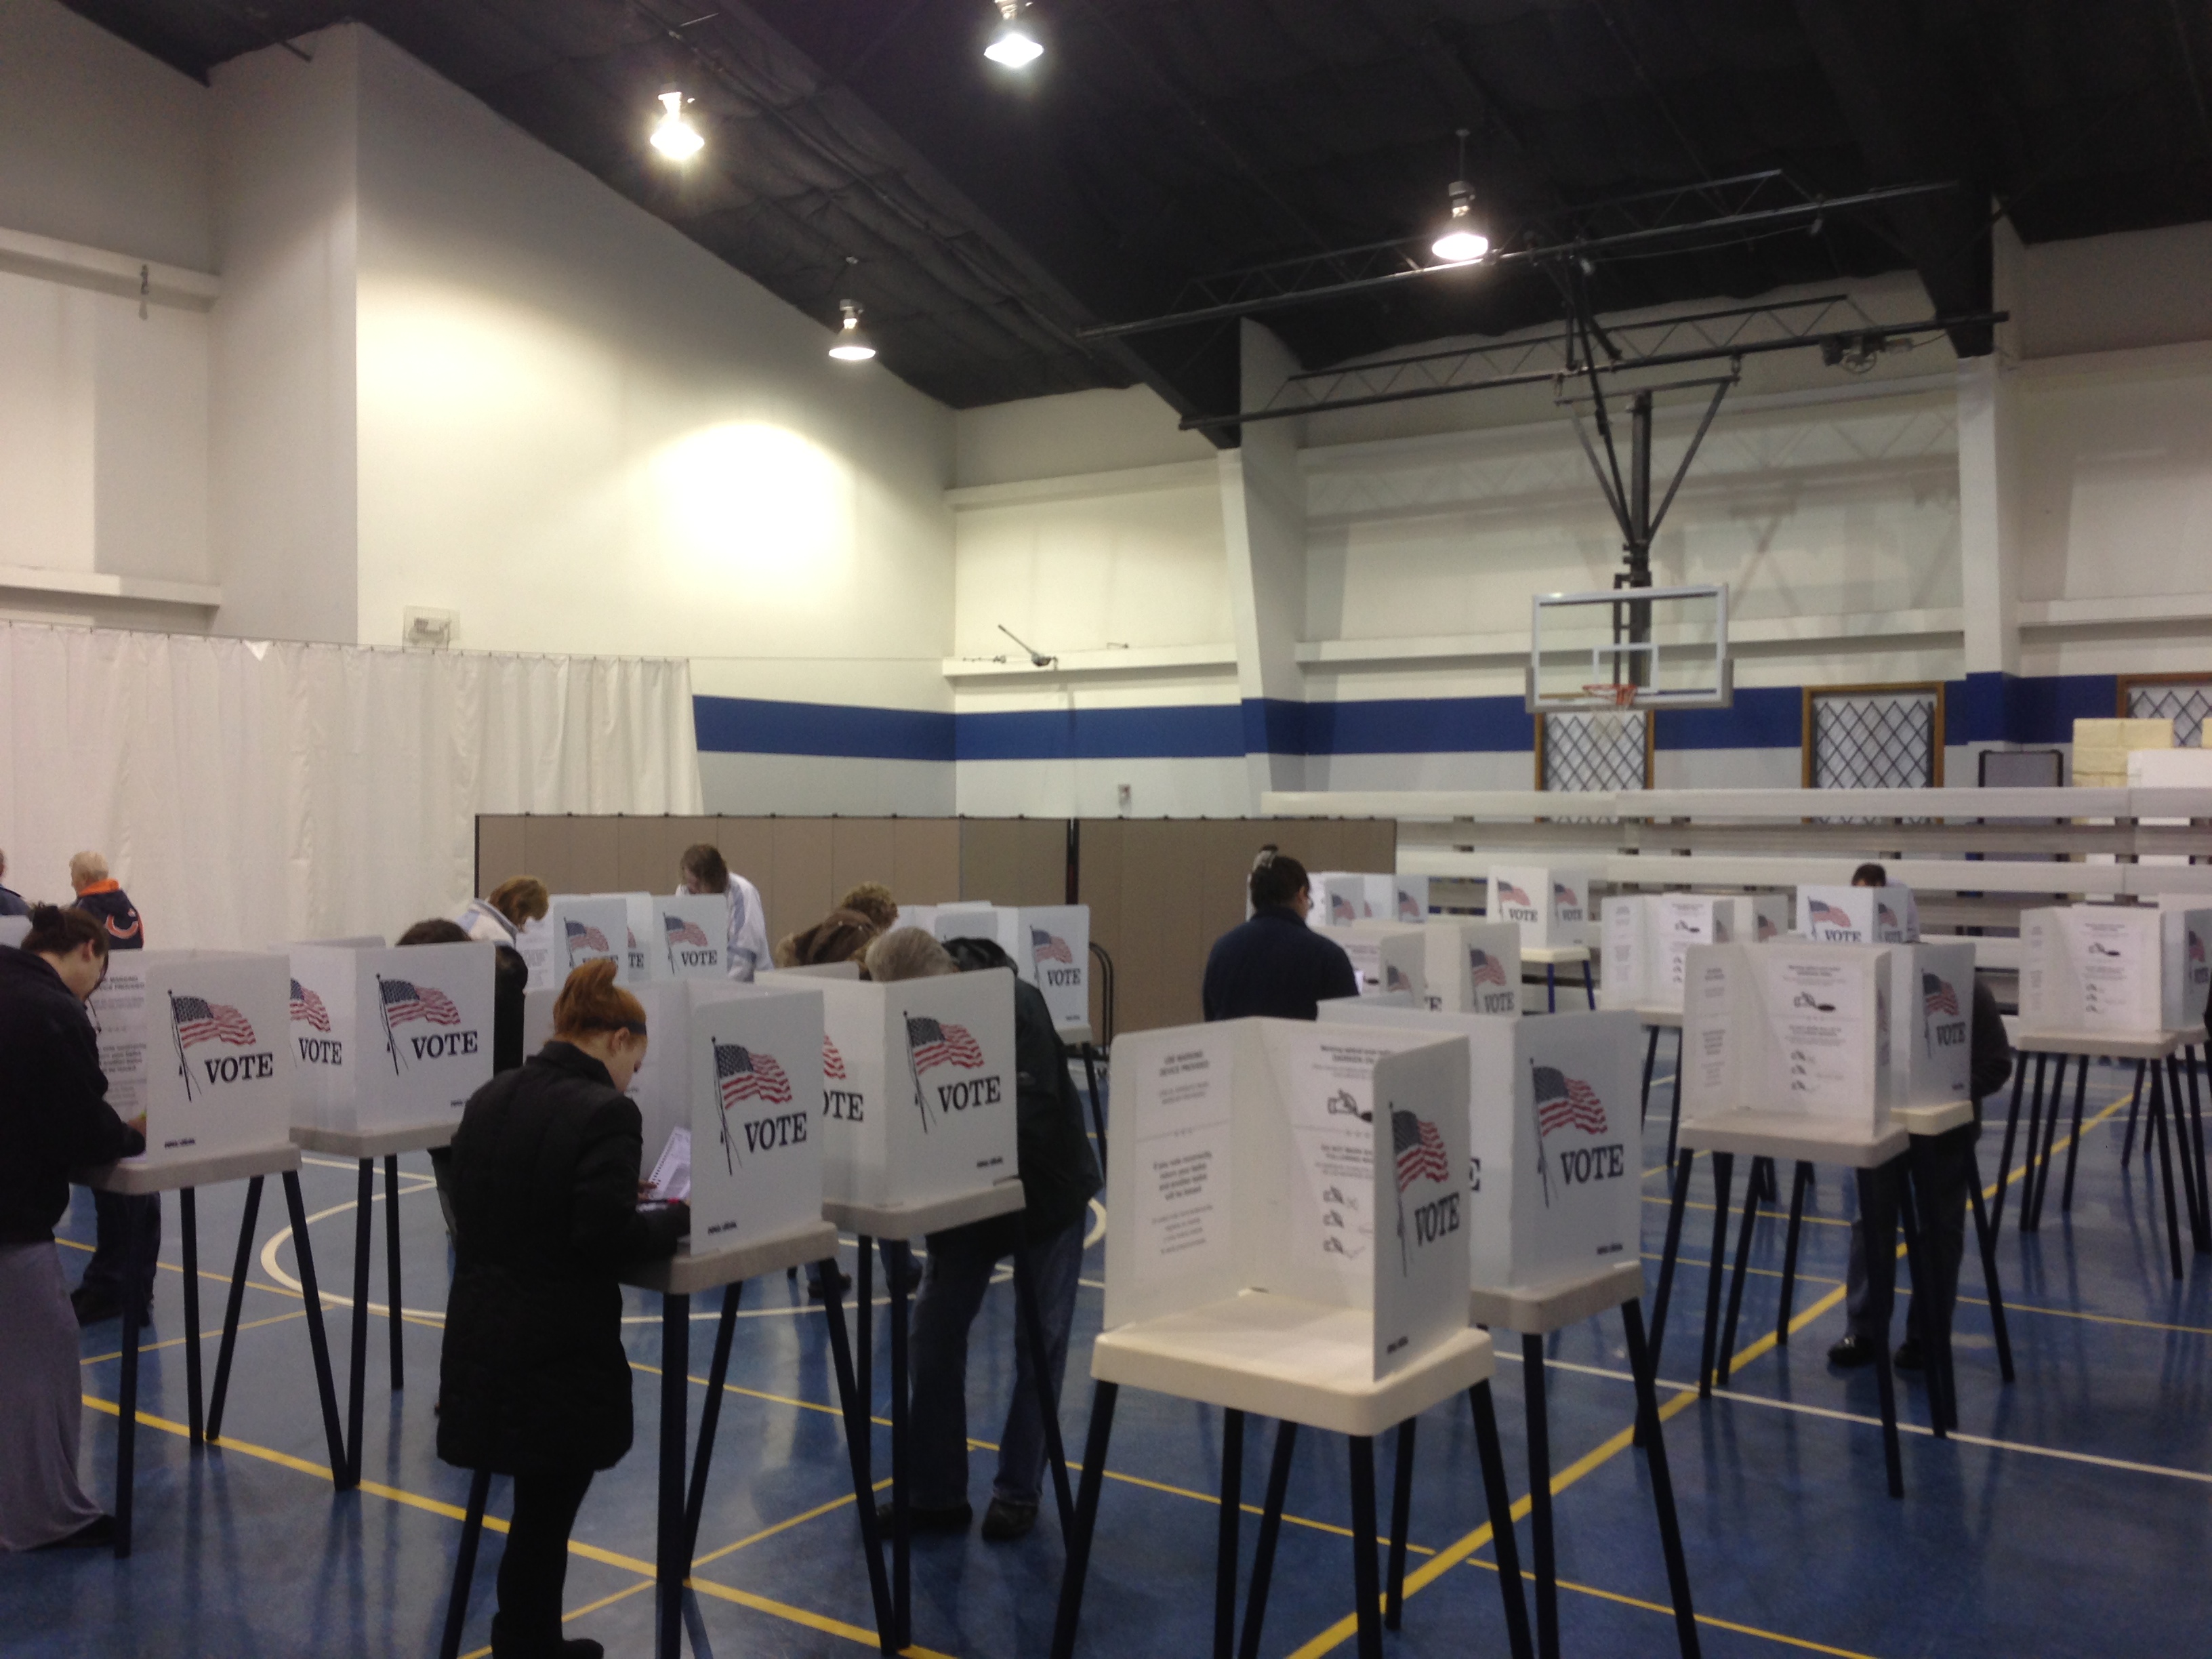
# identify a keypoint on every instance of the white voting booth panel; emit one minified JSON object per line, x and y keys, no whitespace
{"x":1386,"y":957}
{"x":1931,"y":999}
{"x":1858,"y":915}
{"x":1326,"y":1163}
{"x":1412,"y":899}
{"x":1646,"y":936}
{"x":918,"y":1088}
{"x":573,"y":932}
{"x":389,"y":1037}
{"x":1346,"y":896}
{"x":1802,"y":1031}
{"x":196,"y":1041}
{"x":1473,"y":967}
{"x":751,"y":1072}
{"x":1551,"y":906}
{"x":1763,"y":918}
{"x":2113,"y":968}
{"x":1556,"y":1178}
{"x":690,"y":932}
{"x":1048,"y":943}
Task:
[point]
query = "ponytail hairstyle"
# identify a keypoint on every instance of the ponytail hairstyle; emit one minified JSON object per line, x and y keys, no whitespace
{"x":591,"y":1002}
{"x":1277,"y":879}
{"x":56,"y":931}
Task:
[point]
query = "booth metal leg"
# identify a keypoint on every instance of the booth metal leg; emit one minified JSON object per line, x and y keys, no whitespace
{"x":1500,"y":1504}
{"x":1642,"y":1366}
{"x":342,"y":1474}
{"x":1271,"y":1528}
{"x":1366,"y":1588}
{"x":2135,"y":1106}
{"x":1097,"y":1107}
{"x":1751,"y":1196}
{"x":675,"y":1421}
{"x":1589,"y":986}
{"x":2074,"y":1143}
{"x":1025,"y":1304}
{"x":1225,"y":1543}
{"x":1716,"y":1269}
{"x":391,"y":1268}
{"x":2196,"y":1137}
{"x":710,"y":1417}
{"x":1540,"y":1495}
{"x":188,"y":1225}
{"x":231,"y":1308}
{"x":1886,"y":1388}
{"x":1675,"y":1104}
{"x":1798,"y":1182}
{"x":1920,"y":1322}
{"x":135,"y":1246}
{"x":2039,"y":1176}
{"x":864,"y":1349}
{"x":465,"y":1566}
{"x":2004,"y":1160}
{"x":858,"y":1429}
{"x":2155,"y":1130}
{"x":364,"y":1221}
{"x":1985,"y":1236}
{"x":902,"y":1532}
{"x":1651,"y":1061}
{"x":1401,"y":1519}
{"x":1667,"y":1255}
{"x":1070,"y":1611}
{"x":2191,"y":1190}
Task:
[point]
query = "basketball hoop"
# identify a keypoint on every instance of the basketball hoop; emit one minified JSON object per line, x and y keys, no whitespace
{"x":1617,"y":696}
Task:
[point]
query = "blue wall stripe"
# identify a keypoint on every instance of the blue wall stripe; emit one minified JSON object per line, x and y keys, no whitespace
{"x":1979,"y":708}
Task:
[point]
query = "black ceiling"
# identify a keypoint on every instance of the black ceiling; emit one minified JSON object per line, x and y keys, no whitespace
{"x":994,"y":214}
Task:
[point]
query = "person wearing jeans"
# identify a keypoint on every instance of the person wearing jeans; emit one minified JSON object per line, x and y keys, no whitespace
{"x":1059,"y":1176}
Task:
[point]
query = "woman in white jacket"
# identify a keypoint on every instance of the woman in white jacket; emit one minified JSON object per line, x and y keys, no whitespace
{"x":703,"y":870}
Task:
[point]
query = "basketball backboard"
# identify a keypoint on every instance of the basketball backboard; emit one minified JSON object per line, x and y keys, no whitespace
{"x":1645,"y":647}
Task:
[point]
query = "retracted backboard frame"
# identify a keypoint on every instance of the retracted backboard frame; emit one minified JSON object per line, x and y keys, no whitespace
{"x":1629,"y":648}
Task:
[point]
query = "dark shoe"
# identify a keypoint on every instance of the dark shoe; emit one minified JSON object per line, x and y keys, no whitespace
{"x":94,"y":1307}
{"x":1003,"y":1521}
{"x":1852,"y":1353}
{"x":814,"y":1285}
{"x":955,"y":1518}
{"x":97,"y":1534}
{"x":1908,"y":1354}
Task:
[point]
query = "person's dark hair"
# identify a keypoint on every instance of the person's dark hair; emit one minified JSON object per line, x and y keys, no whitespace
{"x":1869,"y":875}
{"x":841,"y":936}
{"x":592,"y":1001}
{"x":703,"y":863}
{"x":56,"y":931}
{"x":438,"y":930}
{"x":974,"y":955}
{"x":1277,"y":879}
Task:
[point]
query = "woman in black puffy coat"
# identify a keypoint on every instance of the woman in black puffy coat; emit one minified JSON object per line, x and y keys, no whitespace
{"x":534,"y":1382}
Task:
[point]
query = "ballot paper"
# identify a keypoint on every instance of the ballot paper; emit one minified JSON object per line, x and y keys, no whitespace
{"x":670,"y":1181}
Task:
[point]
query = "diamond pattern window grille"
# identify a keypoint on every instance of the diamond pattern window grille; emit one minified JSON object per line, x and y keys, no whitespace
{"x":1884,"y":741}
{"x":2187,"y":705}
{"x":1602,"y":749}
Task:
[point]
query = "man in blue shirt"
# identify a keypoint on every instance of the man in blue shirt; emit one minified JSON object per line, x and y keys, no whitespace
{"x":1275,"y":964}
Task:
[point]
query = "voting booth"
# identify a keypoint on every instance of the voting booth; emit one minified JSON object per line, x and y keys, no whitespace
{"x":1412,"y":897}
{"x":1048,"y":943}
{"x":197,"y":1041}
{"x":388,"y":1037}
{"x":1347,"y":895}
{"x":1931,"y":999}
{"x":1388,"y":958}
{"x":1858,"y":915}
{"x":575,"y":931}
{"x":2114,"y":967}
{"x":1551,"y":906}
{"x":1800,"y":1030}
{"x":1460,"y":966}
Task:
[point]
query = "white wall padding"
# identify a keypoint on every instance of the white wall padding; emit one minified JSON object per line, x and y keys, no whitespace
{"x":247,"y":793}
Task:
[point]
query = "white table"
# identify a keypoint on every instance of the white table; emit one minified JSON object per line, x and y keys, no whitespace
{"x":677,"y":1280}
{"x":1304,"y":1364}
{"x":1534,"y":1312}
{"x":1550,"y":957}
{"x":897,"y":1224}
{"x":135,"y":1178}
{"x":367,"y":1147}
{"x":1802,"y":1140}
{"x":2161,"y":1054}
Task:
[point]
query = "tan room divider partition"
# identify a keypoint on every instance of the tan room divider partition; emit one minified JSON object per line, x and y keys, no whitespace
{"x":1161,"y":890}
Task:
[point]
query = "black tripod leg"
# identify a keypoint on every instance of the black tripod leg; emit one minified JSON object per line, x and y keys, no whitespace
{"x":1735,"y":1281}
{"x":1070,"y":1612}
{"x":391,"y":1268}
{"x":2004,"y":1160}
{"x":710,"y":1417}
{"x":1662,"y":1482}
{"x":2074,"y":1143}
{"x":364,"y":1221}
{"x":2155,"y":1131}
{"x":858,"y":1429}
{"x":1500,"y":1504}
{"x":1650,"y":1059}
{"x":2135,"y":1106}
{"x":465,"y":1566}
{"x":1536,"y":1407}
{"x":1025,"y":1303}
{"x":1798,"y":1185}
{"x":1228,"y":1517}
{"x":1271,"y":1528}
{"x":317,"y":1342}
{"x":1366,"y":1592}
{"x":231,"y":1309}
{"x":1401,"y":1518}
{"x":1988,"y":1241}
{"x":1097,"y":1108}
{"x":1724,"y":1168}
{"x":188,"y":1223}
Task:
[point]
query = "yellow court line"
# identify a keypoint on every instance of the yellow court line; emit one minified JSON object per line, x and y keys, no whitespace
{"x":214,"y":1335}
{"x":1703,"y":1618}
{"x":1769,"y":1211}
{"x":819,"y":1511}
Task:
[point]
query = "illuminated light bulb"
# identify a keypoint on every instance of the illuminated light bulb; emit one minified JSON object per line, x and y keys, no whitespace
{"x":675,"y":138}
{"x":1013,"y":46}
{"x":851,"y":346}
{"x":1461,"y":242}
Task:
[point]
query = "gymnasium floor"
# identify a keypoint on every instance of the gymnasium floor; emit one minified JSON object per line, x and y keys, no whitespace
{"x":2073,"y":1516}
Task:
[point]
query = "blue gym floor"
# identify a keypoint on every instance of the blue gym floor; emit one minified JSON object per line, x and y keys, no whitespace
{"x":2072,"y":1515}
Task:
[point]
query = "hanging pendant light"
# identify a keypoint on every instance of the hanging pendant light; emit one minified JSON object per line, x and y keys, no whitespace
{"x":675,"y":138}
{"x":1463,"y":240}
{"x":851,"y":345}
{"x":1015,"y":45}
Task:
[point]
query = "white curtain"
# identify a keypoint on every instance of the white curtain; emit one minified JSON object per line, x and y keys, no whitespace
{"x":248,"y":793}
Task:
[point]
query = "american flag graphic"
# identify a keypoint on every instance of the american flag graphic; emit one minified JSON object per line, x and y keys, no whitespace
{"x":1409,"y":908}
{"x":1339,"y":909}
{"x":1566,"y":1103}
{"x":681,"y":932}
{"x":1488,"y":969}
{"x":941,"y":1043}
{"x":1394,"y":978}
{"x":1561,"y":894}
{"x":1935,"y":990}
{"x":586,"y":935}
{"x":1509,"y":894}
{"x":2195,"y":948}
{"x":1766,"y":929}
{"x":1884,"y":914}
{"x":833,"y":1063}
{"x":1819,"y":911}
{"x":307,"y":1007}
{"x":1049,"y":947}
{"x":199,"y":1020}
{"x":1419,"y":1149}
{"x":404,"y":1000}
{"x":744,"y":1075}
